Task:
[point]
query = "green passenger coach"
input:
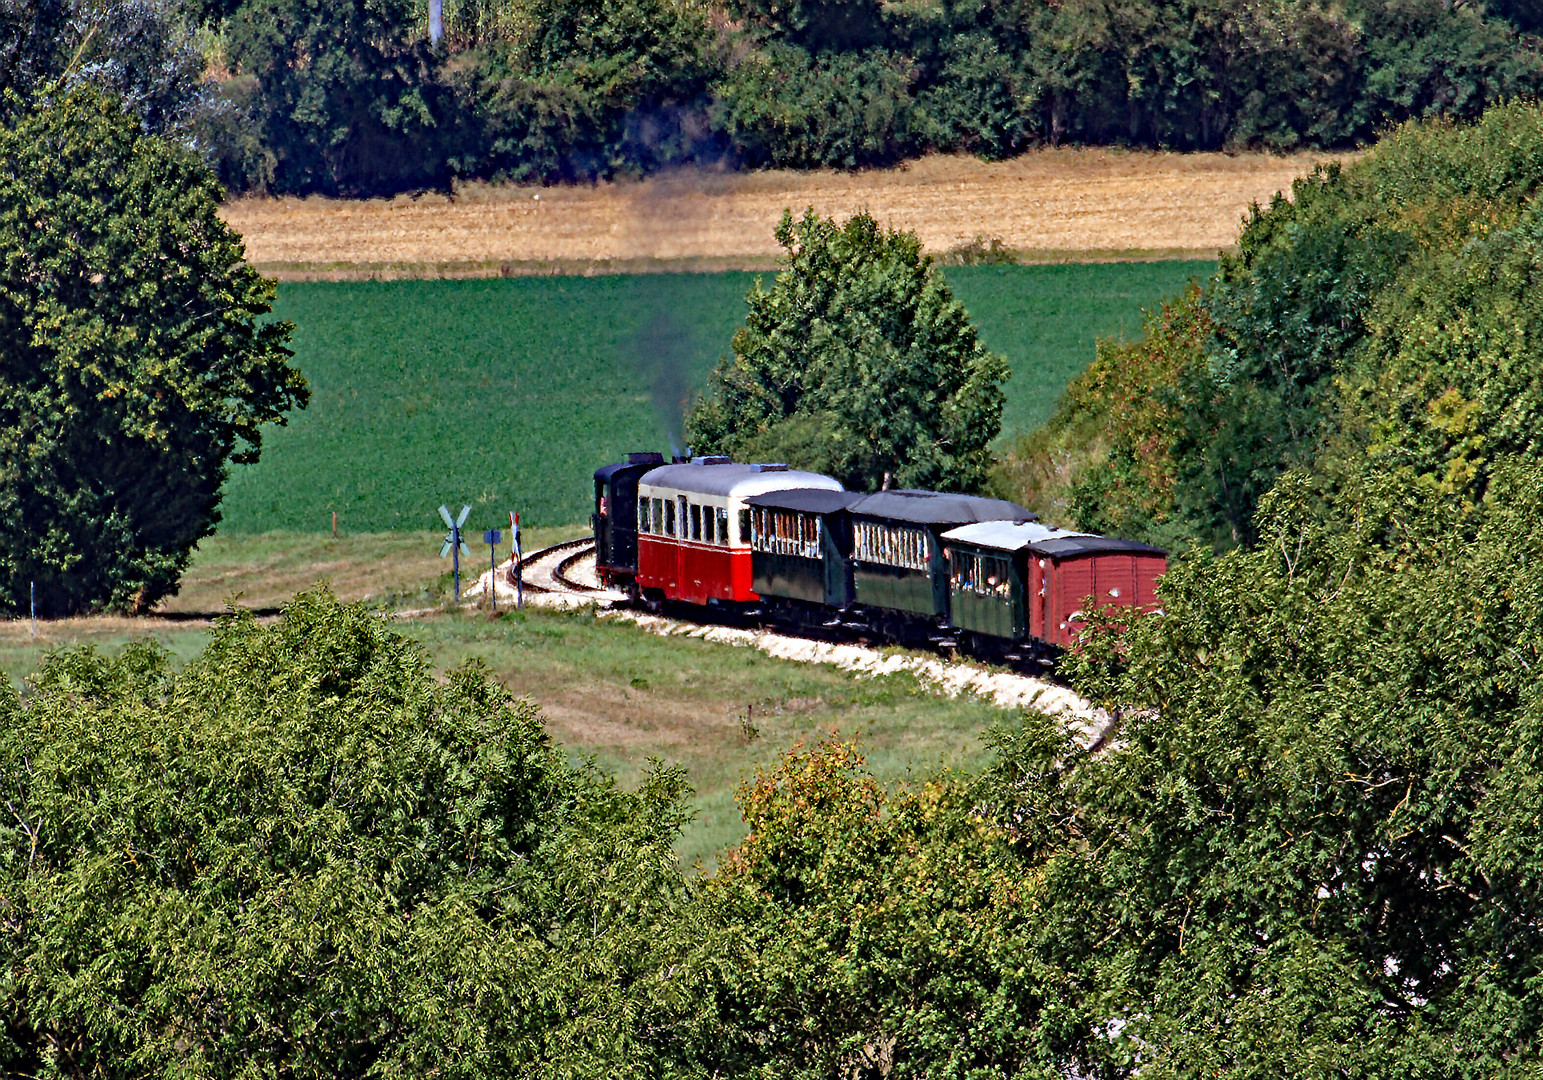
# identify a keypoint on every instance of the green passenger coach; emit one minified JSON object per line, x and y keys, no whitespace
{"x":800,"y":542}
{"x":898,"y":562}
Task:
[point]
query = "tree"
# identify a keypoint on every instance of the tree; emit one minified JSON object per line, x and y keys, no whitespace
{"x":134,"y":359}
{"x":861,"y":932}
{"x":1388,"y":308}
{"x":350,"y":98}
{"x":304,"y":855}
{"x":858,"y":362}
{"x":1314,"y":846}
{"x":142,"y":51}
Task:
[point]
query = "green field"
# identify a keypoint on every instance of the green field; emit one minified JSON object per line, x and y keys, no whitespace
{"x":506,"y":394}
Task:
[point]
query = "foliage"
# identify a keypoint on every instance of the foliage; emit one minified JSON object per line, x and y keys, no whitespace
{"x":560,"y":90}
{"x":781,"y":106}
{"x":859,"y":353}
{"x":350,"y":100}
{"x":1311,"y":850}
{"x":1385,"y":309}
{"x":874,"y":933}
{"x":305,"y":855}
{"x":586,"y":90}
{"x":143,"y":52}
{"x":134,"y":366}
{"x":1105,"y":458}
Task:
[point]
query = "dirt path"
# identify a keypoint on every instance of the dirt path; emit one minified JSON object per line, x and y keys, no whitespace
{"x":1048,"y":205}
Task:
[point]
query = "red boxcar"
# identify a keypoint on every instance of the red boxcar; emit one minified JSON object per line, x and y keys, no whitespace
{"x":693,"y":526}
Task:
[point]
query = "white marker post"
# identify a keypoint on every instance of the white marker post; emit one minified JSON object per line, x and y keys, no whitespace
{"x":516,"y":560}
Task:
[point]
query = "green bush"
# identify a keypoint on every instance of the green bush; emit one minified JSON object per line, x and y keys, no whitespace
{"x":583,"y":91}
{"x":304,"y":855}
{"x":1383,"y":314}
{"x":1313,"y":850}
{"x":350,"y":102}
{"x":782,"y":106}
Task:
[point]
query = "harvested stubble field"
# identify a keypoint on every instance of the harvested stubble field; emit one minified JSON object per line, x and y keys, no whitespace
{"x":1045,"y":206}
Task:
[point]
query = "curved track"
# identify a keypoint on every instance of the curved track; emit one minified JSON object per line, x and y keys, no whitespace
{"x":562,"y":574}
{"x":545,"y":570}
{"x":558,"y":571}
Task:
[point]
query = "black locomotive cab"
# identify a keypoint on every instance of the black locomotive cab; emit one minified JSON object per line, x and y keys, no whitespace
{"x":615,"y":520}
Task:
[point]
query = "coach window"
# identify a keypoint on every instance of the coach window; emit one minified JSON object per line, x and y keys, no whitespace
{"x":696,"y":522}
{"x":669,"y":517}
{"x":723,"y":526}
{"x":744,"y":526}
{"x":642,"y":515}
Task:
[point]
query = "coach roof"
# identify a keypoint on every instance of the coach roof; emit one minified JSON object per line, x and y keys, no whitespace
{"x":938,"y":507}
{"x":735,"y":480}
{"x":1043,"y":539}
{"x":807,"y":500}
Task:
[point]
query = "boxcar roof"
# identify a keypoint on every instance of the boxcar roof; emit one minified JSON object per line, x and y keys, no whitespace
{"x":1043,"y":539}
{"x":734,"y":479}
{"x":809,"y":500}
{"x":938,"y":507}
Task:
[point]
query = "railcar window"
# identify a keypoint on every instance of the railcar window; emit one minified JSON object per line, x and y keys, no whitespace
{"x":984,"y":575}
{"x":642,"y":515}
{"x":696,"y":522}
{"x":744,"y":526}
{"x":785,"y":532}
{"x":669,"y":518}
{"x":723,"y":526}
{"x":891,"y":545}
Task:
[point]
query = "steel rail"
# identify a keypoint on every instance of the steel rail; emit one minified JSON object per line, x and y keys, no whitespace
{"x":534,"y":558}
{"x":560,"y":575}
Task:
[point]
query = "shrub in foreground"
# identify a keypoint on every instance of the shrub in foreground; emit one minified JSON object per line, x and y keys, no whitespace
{"x":303,"y":855}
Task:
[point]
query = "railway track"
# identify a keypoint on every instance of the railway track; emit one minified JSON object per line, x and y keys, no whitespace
{"x":548,"y":569}
{"x":563,"y":576}
{"x":553,"y":571}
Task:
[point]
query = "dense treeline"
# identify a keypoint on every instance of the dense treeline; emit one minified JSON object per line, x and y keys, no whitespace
{"x":1386,"y":316}
{"x":352,"y":98}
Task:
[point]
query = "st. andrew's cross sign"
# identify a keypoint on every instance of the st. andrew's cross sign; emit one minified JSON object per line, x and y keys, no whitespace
{"x":454,"y":546}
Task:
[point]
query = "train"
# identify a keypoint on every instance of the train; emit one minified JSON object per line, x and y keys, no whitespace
{"x":795,"y":548}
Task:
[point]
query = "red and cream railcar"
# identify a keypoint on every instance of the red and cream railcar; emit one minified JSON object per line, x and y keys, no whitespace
{"x":694,"y":526}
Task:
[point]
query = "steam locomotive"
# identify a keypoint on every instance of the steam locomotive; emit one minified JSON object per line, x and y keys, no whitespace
{"x":910,"y":566}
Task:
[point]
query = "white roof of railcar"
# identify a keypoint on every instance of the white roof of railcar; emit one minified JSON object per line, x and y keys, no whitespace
{"x":1044,"y":539}
{"x":734,"y":480}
